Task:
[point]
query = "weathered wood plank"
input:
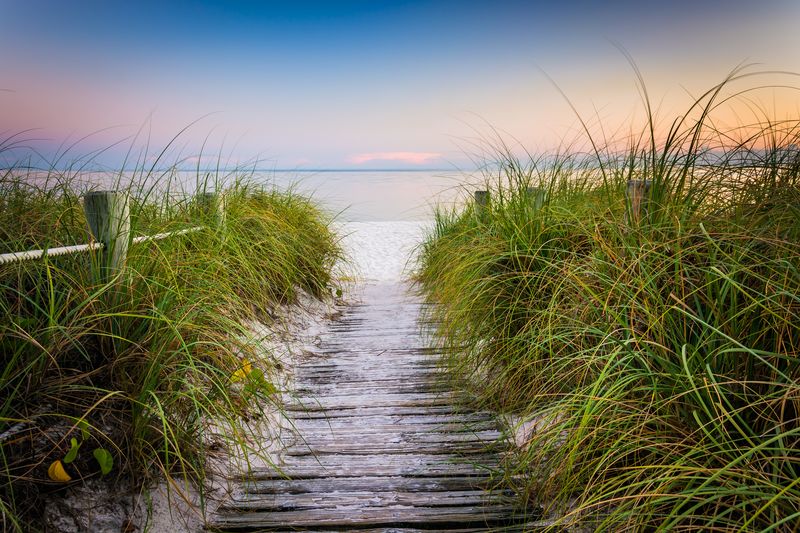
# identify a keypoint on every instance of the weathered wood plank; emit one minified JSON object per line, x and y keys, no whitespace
{"x":309,"y":466}
{"x":355,"y":516}
{"x":406,"y":386}
{"x":401,"y":433}
{"x":344,"y":427}
{"x":366,"y":499}
{"x":356,"y":402}
{"x":340,"y":350}
{"x":366,"y":375}
{"x":367,"y":483}
{"x":293,"y":471}
{"x":422,"y":460}
{"x":364,"y":442}
{"x":382,"y":448}
{"x":415,"y":530}
{"x":380,"y":410}
{"x":428,"y":416}
{"x":364,"y":372}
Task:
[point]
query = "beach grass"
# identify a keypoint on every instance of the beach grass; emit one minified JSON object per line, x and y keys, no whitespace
{"x":156,"y":364}
{"x":652,"y":357}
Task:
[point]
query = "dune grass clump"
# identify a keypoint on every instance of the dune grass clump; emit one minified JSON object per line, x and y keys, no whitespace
{"x":154,"y":365}
{"x":653,"y":356}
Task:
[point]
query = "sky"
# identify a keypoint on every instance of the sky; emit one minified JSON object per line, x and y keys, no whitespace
{"x":369,"y":84}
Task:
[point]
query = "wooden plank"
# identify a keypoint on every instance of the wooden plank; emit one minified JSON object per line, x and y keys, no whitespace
{"x":356,"y":516}
{"x":434,"y":418}
{"x":325,"y":466}
{"x":367,"y":483}
{"x":392,"y":378}
{"x":370,"y":369}
{"x":365,"y":499}
{"x":370,"y":393}
{"x":373,"y":355}
{"x":383,"y":448}
{"x":363,"y":375}
{"x":380,"y":410}
{"x":373,"y":442}
{"x":363,"y":372}
{"x":419,"y":363}
{"x":399,"y":433}
{"x":415,"y":530}
{"x":312,"y":471}
{"x":421,"y":459}
{"x":330,"y":390}
{"x":321,"y":384}
{"x":427,"y":375}
{"x":356,"y":401}
{"x":374,"y":358}
{"x":339,"y":350}
{"x":340,"y":383}
{"x":379,"y":425}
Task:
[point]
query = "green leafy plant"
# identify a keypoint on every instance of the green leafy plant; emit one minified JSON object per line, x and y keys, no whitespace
{"x":83,"y":425}
{"x":73,"y":450}
{"x":104,"y":459}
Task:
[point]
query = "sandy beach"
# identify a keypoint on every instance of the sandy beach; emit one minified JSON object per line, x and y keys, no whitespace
{"x":381,"y":251}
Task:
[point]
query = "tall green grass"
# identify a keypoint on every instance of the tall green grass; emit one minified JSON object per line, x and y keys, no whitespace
{"x":657,"y":362}
{"x":144,"y":365}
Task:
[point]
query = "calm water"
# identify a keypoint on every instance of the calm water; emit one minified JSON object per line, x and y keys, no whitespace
{"x":376,"y":195}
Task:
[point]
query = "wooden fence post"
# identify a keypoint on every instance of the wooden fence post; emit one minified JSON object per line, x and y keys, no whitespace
{"x":108,"y":216}
{"x":536,"y":197}
{"x":481,"y":201}
{"x":636,"y":195}
{"x":212,"y":206}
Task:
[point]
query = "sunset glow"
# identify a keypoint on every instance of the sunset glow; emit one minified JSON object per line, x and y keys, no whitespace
{"x":386,"y":84}
{"x":412,"y":158}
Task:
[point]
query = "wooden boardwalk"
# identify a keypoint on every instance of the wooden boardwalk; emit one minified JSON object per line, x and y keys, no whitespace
{"x":379,"y":443}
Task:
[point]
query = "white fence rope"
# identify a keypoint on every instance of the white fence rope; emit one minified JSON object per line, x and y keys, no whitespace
{"x":63,"y":250}
{"x":159,"y":236}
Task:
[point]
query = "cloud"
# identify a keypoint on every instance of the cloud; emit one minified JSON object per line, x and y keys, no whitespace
{"x":412,"y":158}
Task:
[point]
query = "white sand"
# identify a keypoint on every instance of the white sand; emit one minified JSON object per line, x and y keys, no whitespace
{"x":381,"y":251}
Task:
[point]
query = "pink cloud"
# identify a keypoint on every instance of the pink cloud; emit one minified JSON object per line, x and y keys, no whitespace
{"x":414,"y":158}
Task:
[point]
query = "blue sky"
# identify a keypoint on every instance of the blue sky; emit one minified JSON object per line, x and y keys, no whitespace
{"x":367,"y":84}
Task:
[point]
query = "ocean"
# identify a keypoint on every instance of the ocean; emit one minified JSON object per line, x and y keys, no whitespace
{"x":365,"y":196}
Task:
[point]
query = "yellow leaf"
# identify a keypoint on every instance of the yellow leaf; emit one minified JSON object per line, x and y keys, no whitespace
{"x":57,"y":472}
{"x":242,"y":373}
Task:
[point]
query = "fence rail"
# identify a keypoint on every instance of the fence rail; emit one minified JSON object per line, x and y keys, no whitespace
{"x":109,"y":221}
